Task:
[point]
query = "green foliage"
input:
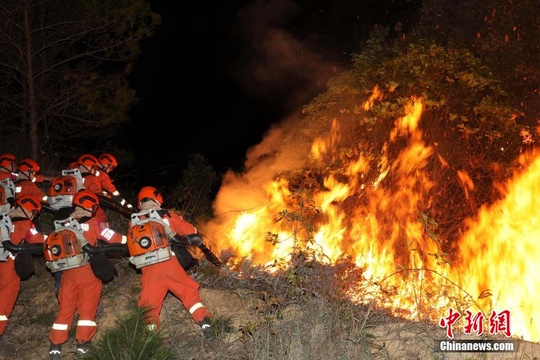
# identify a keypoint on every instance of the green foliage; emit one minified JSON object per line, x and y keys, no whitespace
{"x":130,"y":339}
{"x":43,"y":317}
{"x":222,"y":325}
{"x":465,"y":107}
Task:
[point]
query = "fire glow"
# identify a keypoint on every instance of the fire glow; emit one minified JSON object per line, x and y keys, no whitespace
{"x":382,"y":231}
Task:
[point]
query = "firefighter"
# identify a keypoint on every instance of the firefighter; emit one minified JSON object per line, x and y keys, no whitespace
{"x":61,"y":193}
{"x":23,"y":230}
{"x":89,"y":168}
{"x":80,"y":289}
{"x":107,"y":164}
{"x":8,"y":167}
{"x":25,"y":184}
{"x":159,"y":278}
{"x":8,"y":174}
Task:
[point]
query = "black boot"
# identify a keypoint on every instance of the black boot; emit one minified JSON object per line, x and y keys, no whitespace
{"x":55,"y":352}
{"x":83,"y":348}
{"x":207,"y":329}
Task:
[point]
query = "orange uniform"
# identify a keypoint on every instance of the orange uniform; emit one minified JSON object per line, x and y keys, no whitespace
{"x":107,"y":184}
{"x":28,"y":187}
{"x":158,"y":279}
{"x":10,"y":283}
{"x":92,"y":183}
{"x":26,"y":181}
{"x":7,"y":175}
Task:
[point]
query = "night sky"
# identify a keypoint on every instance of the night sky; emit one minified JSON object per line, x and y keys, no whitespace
{"x":224,"y":73}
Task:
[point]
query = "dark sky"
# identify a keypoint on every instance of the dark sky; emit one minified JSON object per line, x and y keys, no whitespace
{"x":216,"y":77}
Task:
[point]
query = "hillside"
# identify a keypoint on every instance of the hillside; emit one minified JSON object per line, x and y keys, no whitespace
{"x":264,"y":324}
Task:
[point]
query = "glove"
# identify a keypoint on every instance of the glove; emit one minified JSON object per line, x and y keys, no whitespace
{"x":186,"y":240}
{"x":194,"y":239}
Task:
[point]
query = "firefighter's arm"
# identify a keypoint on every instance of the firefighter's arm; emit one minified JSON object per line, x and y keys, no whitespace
{"x":122,"y":201}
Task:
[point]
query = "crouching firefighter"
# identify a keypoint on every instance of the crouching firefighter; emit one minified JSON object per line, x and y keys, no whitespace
{"x":19,"y":238}
{"x":70,"y":249}
{"x":150,"y":234}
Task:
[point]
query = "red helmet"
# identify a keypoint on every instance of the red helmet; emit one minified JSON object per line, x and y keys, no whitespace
{"x":149,"y":193}
{"x":73,"y":165}
{"x":7,"y":159}
{"x":108,"y":160}
{"x":88,"y":161}
{"x":30,"y":203}
{"x":86,"y":199}
{"x":26,"y":165}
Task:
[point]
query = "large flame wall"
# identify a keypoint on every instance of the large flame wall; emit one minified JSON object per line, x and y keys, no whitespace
{"x":498,"y":263}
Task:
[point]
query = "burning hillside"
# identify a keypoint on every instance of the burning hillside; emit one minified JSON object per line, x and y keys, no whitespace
{"x":380,"y":215}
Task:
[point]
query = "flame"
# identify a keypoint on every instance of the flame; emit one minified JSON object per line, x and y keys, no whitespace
{"x":263,"y":217}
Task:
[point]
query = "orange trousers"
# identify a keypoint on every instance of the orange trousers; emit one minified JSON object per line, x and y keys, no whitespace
{"x":158,"y":279}
{"x":10,"y":285}
{"x":80,"y":292}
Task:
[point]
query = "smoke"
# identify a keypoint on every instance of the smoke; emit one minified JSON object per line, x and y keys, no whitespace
{"x":282,"y":150}
{"x":275,"y":63}
{"x":272,"y":63}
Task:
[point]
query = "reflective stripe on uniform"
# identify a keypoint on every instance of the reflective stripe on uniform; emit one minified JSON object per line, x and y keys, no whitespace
{"x":195,"y":308}
{"x":60,"y":326}
{"x":86,"y":323}
{"x":151,"y":327}
{"x":107,"y":233}
{"x":3,"y":318}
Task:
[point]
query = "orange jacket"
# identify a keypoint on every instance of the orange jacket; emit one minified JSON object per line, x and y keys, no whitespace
{"x":7,"y":175}
{"x":92,"y":183}
{"x":104,"y":232}
{"x":24,"y":229}
{"x":27,"y":187}
{"x":178,"y":224}
{"x":107,"y":183}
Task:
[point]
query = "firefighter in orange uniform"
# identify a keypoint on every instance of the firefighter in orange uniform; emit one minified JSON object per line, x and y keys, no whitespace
{"x":23,"y":230}
{"x":107,"y":164}
{"x":159,"y":278}
{"x":26,"y":181}
{"x":88,"y":166}
{"x":8,"y":174}
{"x":80,"y":289}
{"x":8,"y":167}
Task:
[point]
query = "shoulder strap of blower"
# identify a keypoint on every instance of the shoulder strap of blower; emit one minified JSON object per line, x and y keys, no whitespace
{"x":151,"y":215}
{"x":71,"y":224}
{"x":6,"y":227}
{"x":7,"y":193}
